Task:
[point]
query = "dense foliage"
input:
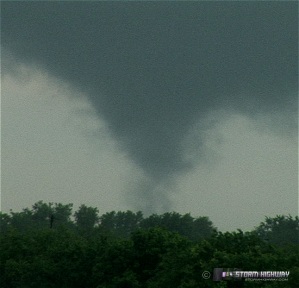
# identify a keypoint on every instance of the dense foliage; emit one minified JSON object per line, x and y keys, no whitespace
{"x":48,"y":246}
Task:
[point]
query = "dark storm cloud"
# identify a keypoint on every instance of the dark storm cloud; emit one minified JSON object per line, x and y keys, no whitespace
{"x":154,"y":69}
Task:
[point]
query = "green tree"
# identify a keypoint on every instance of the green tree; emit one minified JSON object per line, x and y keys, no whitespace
{"x":115,"y":264}
{"x":22,"y":221}
{"x":121,"y":224}
{"x":186,"y":225}
{"x":62,"y":214}
{"x":146,"y":253}
{"x":5,"y":222}
{"x":86,"y":217}
{"x":45,"y":258}
{"x":51,"y":215}
{"x":280,"y":230}
{"x":150,"y":247}
{"x":41,"y":216}
{"x":183,"y":267}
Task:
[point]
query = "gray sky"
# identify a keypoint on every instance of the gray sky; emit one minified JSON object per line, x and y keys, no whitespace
{"x":152,"y":106}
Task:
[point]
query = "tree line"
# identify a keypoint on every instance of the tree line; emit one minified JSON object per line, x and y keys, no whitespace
{"x":49,"y":246}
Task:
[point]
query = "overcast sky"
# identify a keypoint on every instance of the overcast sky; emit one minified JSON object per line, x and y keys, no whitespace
{"x":152,"y":106}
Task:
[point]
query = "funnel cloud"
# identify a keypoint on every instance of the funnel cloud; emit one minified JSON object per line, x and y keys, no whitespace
{"x":156,"y":71}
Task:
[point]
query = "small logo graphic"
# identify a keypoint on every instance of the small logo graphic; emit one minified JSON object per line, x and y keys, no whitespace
{"x":236,"y":274}
{"x":217,"y":274}
{"x":206,"y":274}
